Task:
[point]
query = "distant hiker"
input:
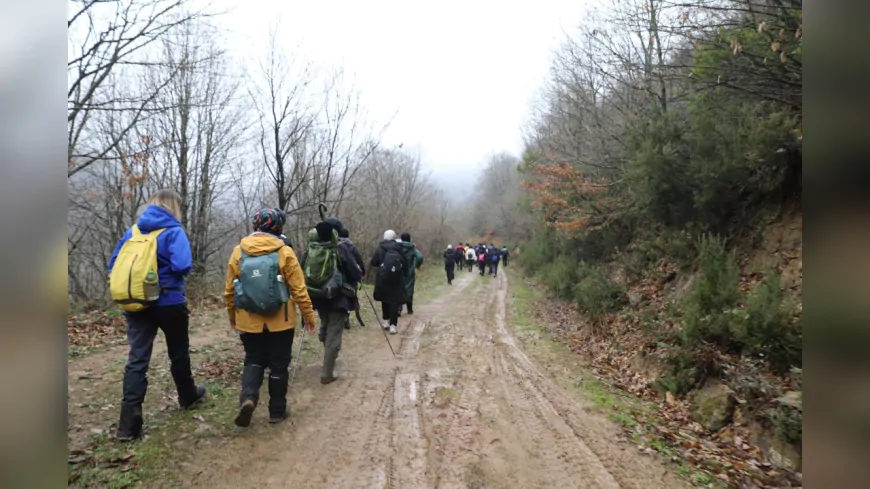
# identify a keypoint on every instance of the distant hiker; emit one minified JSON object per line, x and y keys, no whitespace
{"x":449,"y":263}
{"x":263,"y":287}
{"x":504,"y":255}
{"x":344,"y":240}
{"x":152,"y":259}
{"x":470,"y":258}
{"x":415,"y":261}
{"x":495,"y":257}
{"x":331,"y":277}
{"x":481,"y":259}
{"x":459,"y":256}
{"x":392,"y":268}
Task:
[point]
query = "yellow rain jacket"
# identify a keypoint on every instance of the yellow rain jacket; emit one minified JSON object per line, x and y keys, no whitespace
{"x":248,"y":322}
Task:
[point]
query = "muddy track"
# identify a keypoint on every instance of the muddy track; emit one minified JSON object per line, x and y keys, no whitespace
{"x":461,"y":406}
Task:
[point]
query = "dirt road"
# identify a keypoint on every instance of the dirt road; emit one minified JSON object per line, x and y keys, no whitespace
{"x":462,"y":406}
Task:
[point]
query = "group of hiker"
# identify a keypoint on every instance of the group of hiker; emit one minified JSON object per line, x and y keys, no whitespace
{"x":265,"y":283}
{"x":466,"y":256}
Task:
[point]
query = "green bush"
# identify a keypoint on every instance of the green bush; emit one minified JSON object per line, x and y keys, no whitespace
{"x":766,"y":328}
{"x":710,"y":164}
{"x":539,"y":251}
{"x":708,"y":310}
{"x":560,"y":275}
{"x":596,"y":293}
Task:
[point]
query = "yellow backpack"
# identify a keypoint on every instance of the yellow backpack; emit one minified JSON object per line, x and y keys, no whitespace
{"x":134,"y":283}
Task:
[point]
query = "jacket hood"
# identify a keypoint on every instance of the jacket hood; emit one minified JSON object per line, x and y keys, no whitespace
{"x":260,"y":244}
{"x":156,"y":217}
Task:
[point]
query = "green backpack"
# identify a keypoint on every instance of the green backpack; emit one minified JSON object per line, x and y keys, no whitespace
{"x":322,"y":275}
{"x":260,"y":287}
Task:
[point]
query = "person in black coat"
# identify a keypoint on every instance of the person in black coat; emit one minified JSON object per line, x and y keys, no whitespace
{"x":449,"y":264}
{"x":391,"y":293}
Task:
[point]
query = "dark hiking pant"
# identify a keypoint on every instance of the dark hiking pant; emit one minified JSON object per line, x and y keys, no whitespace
{"x":390,"y":312}
{"x":333,"y":321}
{"x":469,"y":264}
{"x":495,"y":269}
{"x":490,"y":264}
{"x":141,"y":330}
{"x":504,"y":260}
{"x":449,"y":268}
{"x":410,"y":305}
{"x":262,"y":350}
{"x":482,"y":266}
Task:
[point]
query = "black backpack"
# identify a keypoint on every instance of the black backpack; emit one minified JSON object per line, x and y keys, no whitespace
{"x":391,"y":270}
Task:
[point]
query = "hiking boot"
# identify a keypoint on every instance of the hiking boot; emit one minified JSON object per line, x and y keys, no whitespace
{"x":246,"y":411}
{"x":196,"y":401}
{"x":130,"y":423}
{"x":393,"y":329}
{"x":328,"y":380}
{"x":280,"y":416}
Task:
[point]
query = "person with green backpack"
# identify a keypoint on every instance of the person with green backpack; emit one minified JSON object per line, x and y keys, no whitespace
{"x":146,"y":278}
{"x":264,"y":285}
{"x":332,"y":276}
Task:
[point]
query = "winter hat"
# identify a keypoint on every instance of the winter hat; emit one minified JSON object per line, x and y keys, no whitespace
{"x":406,"y":237}
{"x":334,"y":222}
{"x":449,"y":247}
{"x":343,"y":233}
{"x":269,"y":221}
{"x":389,"y":235}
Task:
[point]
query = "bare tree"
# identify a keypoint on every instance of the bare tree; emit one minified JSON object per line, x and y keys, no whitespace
{"x":106,"y":37}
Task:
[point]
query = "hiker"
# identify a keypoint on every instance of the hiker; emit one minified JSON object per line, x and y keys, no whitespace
{"x":415,"y":261}
{"x":449,"y":263}
{"x":153,"y":257}
{"x":495,"y":257}
{"x":332,"y":277}
{"x":344,"y":240}
{"x":459,"y":256}
{"x":392,"y":269}
{"x":481,"y":259}
{"x":261,"y":306}
{"x":470,"y":258}
{"x":504,"y":255}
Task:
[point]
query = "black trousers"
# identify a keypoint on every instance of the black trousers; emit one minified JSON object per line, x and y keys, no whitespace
{"x":267,"y":350}
{"x":482,"y":266}
{"x":494,"y":268}
{"x":390,"y":312}
{"x":449,"y":268}
{"x":141,"y":330}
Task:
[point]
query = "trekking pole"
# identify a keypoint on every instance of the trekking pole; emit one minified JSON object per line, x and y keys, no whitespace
{"x":298,"y":357}
{"x":321,"y":207}
{"x":371,"y":303}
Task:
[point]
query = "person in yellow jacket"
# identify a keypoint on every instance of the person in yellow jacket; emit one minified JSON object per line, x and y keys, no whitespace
{"x":267,"y":338}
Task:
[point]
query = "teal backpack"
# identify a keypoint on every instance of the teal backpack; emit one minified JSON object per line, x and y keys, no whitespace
{"x":260,"y":287}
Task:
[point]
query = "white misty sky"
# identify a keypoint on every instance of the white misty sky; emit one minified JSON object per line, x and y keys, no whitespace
{"x":462,"y":75}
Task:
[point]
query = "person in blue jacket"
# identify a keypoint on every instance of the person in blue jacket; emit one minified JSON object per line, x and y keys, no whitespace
{"x":169,"y":314}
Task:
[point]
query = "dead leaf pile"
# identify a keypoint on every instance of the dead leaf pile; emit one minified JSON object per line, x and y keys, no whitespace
{"x":225,"y":369}
{"x":95,"y":328}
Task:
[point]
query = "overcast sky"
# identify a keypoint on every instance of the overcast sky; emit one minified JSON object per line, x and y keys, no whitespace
{"x":461,"y":74}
